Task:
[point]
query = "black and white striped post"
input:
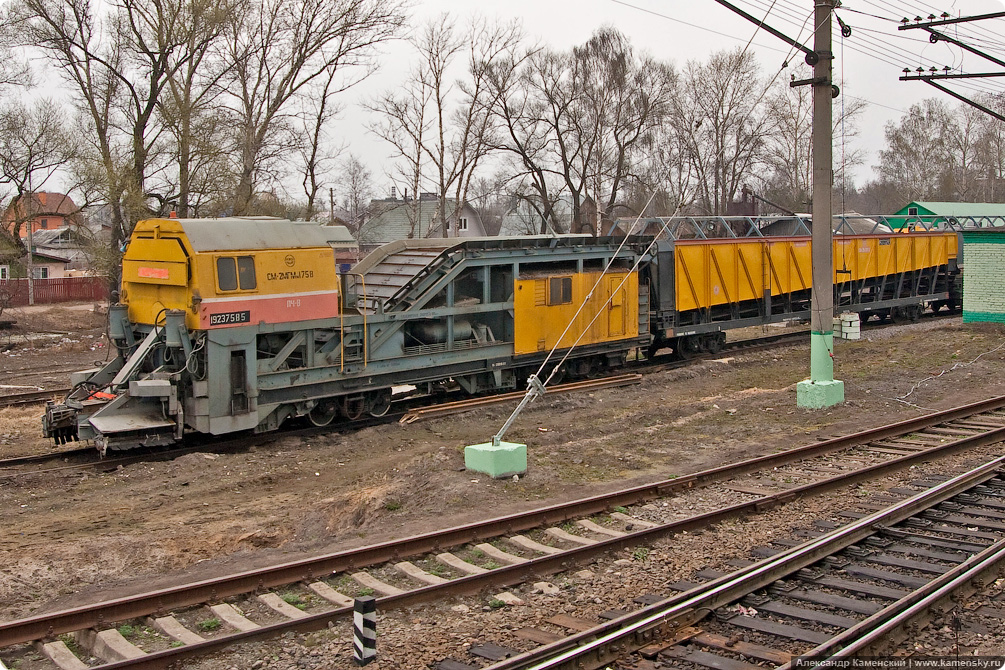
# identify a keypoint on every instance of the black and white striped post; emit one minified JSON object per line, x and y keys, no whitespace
{"x":364,"y":630}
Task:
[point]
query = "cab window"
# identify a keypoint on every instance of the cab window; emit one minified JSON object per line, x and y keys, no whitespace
{"x":559,"y":290}
{"x":246,"y":272}
{"x":233,"y":273}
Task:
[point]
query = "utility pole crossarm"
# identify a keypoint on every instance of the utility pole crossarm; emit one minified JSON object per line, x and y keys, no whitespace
{"x":949,"y":21}
{"x":811,"y":56}
{"x":963,"y":98}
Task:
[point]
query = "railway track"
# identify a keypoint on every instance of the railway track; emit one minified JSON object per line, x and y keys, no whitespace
{"x":493,"y":554}
{"x":858,"y":590}
{"x":86,"y":457}
{"x":32,"y":397}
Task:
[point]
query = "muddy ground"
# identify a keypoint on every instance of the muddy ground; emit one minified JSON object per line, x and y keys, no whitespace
{"x":75,"y":537}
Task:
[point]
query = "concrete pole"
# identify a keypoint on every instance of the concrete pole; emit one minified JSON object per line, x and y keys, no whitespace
{"x":821,"y":389}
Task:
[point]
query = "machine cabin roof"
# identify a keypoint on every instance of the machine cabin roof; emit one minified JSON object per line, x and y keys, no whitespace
{"x":242,"y":233}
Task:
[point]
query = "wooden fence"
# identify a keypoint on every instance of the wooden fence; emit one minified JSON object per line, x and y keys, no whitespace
{"x":14,"y":292}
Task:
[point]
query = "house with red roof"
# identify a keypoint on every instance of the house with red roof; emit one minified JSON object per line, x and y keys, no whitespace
{"x":40,"y":211}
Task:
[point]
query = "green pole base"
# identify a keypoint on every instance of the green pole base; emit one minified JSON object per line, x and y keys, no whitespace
{"x":817,"y":395}
{"x":505,"y":460}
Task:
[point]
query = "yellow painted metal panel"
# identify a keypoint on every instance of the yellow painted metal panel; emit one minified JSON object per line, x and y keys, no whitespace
{"x":717,"y":272}
{"x":537,"y":327}
{"x":155,"y":275}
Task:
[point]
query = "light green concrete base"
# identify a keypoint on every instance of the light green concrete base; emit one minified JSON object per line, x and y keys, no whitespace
{"x":817,"y":395}
{"x":506,"y":460}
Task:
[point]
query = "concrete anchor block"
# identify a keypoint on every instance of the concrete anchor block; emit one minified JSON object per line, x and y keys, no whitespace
{"x":497,"y":461}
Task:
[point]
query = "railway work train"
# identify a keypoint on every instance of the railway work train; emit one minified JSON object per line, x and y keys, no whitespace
{"x":233,"y":324}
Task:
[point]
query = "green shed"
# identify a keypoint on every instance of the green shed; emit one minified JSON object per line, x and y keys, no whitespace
{"x":983,"y":289}
{"x":937,"y":214}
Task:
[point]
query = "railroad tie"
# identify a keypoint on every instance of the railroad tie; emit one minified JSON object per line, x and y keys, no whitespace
{"x":229,"y":615}
{"x":632,"y":521}
{"x":330,"y":594}
{"x":598,"y":529}
{"x":569,"y":537}
{"x":174,"y":628}
{"x":60,"y":654}
{"x":108,"y":644}
{"x":500,"y":555}
{"x":368,"y":581}
{"x":459,"y":564}
{"x":525,"y":542}
{"x":410,"y":569}
{"x":278,"y":604}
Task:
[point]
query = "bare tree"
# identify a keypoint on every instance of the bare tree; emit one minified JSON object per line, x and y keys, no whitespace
{"x":355,"y":188}
{"x":917,"y":154}
{"x":316,"y":154}
{"x":188,"y":107}
{"x":787,"y":147}
{"x":119,"y":64}
{"x":34,"y":144}
{"x":401,"y":119}
{"x":725,"y":130}
{"x":277,"y":49}
{"x":445,"y":123}
{"x":525,"y":137}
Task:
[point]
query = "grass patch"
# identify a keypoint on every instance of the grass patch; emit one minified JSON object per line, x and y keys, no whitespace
{"x":294,"y":599}
{"x":392,"y":505}
{"x":495,"y":603}
{"x":125,"y":630}
{"x":640,"y":554}
{"x":209,"y":625}
{"x":71,"y":644}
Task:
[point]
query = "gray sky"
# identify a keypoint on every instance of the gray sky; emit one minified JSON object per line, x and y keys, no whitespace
{"x":869,"y":62}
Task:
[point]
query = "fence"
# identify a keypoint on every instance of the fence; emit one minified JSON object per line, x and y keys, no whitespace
{"x":14,"y":292}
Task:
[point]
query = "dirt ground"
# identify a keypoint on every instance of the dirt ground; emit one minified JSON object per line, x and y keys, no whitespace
{"x":76,"y":537}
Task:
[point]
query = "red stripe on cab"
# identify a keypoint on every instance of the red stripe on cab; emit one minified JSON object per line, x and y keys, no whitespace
{"x":233,"y":312}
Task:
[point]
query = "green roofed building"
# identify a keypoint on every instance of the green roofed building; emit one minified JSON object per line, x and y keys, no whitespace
{"x":939,"y":214}
{"x":983,"y":289}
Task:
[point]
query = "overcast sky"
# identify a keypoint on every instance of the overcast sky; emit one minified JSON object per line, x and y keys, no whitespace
{"x":870,"y":61}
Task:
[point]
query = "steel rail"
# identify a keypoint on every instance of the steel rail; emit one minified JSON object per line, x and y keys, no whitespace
{"x":446,"y":408}
{"x":601,"y":644}
{"x":164,"y":600}
{"x":881,"y":629}
{"x":31,"y":397}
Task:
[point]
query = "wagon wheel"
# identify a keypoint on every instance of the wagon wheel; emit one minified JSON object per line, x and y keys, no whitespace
{"x":713,"y":342}
{"x":353,"y":407}
{"x":380,"y":402}
{"x":323,"y":413}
